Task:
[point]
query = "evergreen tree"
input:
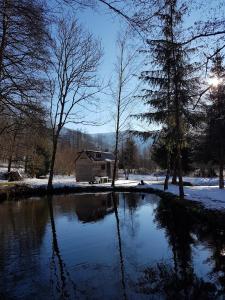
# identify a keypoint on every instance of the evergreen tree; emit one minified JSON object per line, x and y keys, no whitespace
{"x":159,"y":156}
{"x":172,"y":86}
{"x":215,"y":138}
{"x":129,"y":156}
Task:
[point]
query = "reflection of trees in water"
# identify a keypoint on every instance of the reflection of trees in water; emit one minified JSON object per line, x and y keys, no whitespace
{"x":64,"y":285}
{"x":178,"y":228}
{"x":89,"y":208}
{"x":129,"y":203}
{"x":22,"y":229}
{"x":132,"y":200}
{"x":214,"y":234}
{"x":25,"y":221}
{"x":218,"y":261}
{"x":178,"y":280}
{"x":162,"y":280}
{"x":123,"y":280}
{"x":23,"y":226}
{"x":162,"y":277}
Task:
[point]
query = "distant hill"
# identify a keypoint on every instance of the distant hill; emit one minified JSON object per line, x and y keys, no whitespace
{"x":108,"y":140}
{"x":100,"y":141}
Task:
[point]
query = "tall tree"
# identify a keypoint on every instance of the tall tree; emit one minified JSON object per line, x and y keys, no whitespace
{"x":172,"y":85}
{"x":129,"y":155}
{"x":75,"y":58}
{"x":123,"y":92}
{"x":23,"y":53}
{"x":216,"y":116}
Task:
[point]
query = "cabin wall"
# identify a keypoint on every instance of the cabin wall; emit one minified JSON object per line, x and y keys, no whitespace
{"x":87,"y":169}
{"x":98,"y":168}
{"x":84,"y":168}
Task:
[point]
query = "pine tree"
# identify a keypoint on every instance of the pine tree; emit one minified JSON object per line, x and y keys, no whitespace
{"x":216,"y":116}
{"x":172,"y":86}
{"x":129,"y":156}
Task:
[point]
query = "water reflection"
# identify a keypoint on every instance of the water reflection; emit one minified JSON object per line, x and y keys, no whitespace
{"x":94,"y":207}
{"x":109,"y":246}
{"x":178,"y":225}
{"x":115,"y":200}
{"x":178,"y":279}
{"x":61,"y":279}
{"x":22,"y":229}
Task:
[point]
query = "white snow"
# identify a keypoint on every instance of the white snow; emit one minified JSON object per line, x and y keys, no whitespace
{"x":210,"y":197}
{"x":205,"y":191}
{"x":58,"y":181}
{"x":214,"y":181}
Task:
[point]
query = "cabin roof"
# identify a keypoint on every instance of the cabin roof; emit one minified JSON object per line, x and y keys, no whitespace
{"x":93,"y":155}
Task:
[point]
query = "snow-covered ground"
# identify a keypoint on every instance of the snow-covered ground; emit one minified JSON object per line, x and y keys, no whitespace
{"x":204,"y":190}
{"x":210,"y":197}
{"x":193,"y":180}
{"x":58,"y":181}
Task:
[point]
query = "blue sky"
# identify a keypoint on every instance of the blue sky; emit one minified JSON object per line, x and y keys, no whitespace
{"x":106,"y":28}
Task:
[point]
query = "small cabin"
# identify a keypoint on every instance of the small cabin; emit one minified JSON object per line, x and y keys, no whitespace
{"x":90,"y":164}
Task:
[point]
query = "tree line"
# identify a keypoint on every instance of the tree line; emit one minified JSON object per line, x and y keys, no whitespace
{"x":49,"y":78}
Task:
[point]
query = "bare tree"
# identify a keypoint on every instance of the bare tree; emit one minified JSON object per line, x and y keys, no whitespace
{"x":23,"y":135}
{"x":73,"y":81}
{"x":124,"y":90}
{"x":23,"y":53}
{"x":137,"y":14}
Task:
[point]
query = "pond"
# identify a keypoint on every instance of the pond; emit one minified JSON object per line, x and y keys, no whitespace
{"x":108,"y":246}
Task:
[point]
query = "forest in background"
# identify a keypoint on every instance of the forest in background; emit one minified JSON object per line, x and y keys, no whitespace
{"x":49,"y":78}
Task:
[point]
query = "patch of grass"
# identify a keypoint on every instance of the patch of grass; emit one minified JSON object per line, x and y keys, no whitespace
{"x":7,"y":184}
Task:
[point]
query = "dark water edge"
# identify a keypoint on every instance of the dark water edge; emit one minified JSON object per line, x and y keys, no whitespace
{"x":110,"y":246}
{"x":18,"y":191}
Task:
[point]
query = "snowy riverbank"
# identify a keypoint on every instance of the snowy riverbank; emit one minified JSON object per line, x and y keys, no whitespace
{"x":204,"y":190}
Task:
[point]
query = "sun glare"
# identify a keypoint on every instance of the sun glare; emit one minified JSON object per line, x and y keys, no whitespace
{"x":214,"y":81}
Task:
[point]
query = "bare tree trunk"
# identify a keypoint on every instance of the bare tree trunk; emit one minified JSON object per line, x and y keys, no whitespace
{"x":167,"y":173}
{"x":26,"y":164}
{"x":118,"y":114}
{"x":117,"y":138}
{"x":76,"y":58}
{"x":221,"y":167}
{"x":12,"y":150}
{"x":121,"y":95}
{"x":116,"y":160}
{"x":221,"y":179}
{"x":51,"y":172}
{"x":221,"y":159}
{"x":174,"y":178}
{"x":180,"y":174}
{"x":9,"y":163}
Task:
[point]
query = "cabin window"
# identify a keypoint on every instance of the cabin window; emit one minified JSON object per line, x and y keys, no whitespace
{"x":103,"y":167}
{"x":98,"y":155}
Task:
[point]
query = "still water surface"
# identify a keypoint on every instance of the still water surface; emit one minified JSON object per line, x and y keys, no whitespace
{"x":108,"y":246}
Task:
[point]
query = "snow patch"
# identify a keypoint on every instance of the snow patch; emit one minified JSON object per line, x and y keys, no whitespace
{"x":204,"y":191}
